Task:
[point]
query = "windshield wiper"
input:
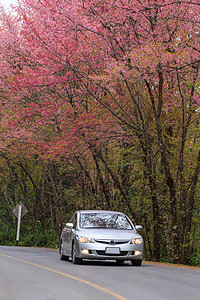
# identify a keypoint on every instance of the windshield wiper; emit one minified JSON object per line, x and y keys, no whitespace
{"x":94,"y":227}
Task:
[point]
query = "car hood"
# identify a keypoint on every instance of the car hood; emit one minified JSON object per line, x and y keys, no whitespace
{"x":105,"y":234}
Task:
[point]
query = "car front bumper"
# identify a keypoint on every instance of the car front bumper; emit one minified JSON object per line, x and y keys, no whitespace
{"x":99,"y":251}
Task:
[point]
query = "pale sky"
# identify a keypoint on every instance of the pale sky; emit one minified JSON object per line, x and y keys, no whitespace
{"x":6,"y":3}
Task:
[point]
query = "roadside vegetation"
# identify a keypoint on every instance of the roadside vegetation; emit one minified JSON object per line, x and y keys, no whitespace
{"x":52,"y":192}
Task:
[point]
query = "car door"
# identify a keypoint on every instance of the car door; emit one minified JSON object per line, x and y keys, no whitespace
{"x":65,"y":238}
{"x":69,"y":233}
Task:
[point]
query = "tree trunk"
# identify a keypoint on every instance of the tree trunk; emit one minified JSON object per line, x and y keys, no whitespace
{"x":190,"y":211}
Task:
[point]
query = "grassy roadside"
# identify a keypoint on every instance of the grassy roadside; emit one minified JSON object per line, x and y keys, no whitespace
{"x":171,"y":265}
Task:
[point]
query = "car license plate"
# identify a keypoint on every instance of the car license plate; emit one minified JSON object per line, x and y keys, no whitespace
{"x":110,"y":250}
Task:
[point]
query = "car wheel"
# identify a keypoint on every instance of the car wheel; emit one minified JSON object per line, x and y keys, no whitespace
{"x":136,"y":262}
{"x":62,"y":256}
{"x":119,"y":262}
{"x":75,"y":260}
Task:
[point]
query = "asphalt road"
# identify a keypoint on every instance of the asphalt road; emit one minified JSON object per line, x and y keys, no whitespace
{"x":38,"y":274}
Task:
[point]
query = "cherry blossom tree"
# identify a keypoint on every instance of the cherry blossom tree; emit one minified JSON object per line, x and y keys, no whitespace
{"x":89,"y":70}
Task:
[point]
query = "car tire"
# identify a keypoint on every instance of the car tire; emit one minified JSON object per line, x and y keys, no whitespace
{"x":62,"y":256}
{"x":75,"y":260}
{"x":136,"y":262}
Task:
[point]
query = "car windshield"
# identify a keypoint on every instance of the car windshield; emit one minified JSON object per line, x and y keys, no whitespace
{"x":104,"y":220}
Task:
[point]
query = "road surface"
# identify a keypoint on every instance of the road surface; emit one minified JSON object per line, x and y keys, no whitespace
{"x":38,"y":274}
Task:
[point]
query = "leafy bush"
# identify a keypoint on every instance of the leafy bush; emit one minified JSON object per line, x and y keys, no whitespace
{"x":38,"y":239}
{"x":7,"y":237}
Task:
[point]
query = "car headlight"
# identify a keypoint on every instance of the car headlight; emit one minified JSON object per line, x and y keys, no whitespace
{"x":83,"y":239}
{"x":137,"y":241}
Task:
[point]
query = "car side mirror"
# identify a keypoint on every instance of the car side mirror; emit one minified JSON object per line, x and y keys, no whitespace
{"x":69,"y":225}
{"x":138,"y":228}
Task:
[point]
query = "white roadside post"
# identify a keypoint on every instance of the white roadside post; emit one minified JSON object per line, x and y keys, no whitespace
{"x":18,"y":223}
{"x":19,"y":211}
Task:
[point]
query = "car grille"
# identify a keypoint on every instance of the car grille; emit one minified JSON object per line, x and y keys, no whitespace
{"x":102,"y":252}
{"x":112,"y":242}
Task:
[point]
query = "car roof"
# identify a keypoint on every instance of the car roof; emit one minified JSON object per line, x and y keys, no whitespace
{"x":100,"y":211}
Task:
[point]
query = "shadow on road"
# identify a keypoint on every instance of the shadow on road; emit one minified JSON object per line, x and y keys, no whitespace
{"x":108,"y":263}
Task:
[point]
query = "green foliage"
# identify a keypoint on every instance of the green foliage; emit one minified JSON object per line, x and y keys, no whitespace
{"x":195,"y":259}
{"x":38,"y":239}
{"x":52,"y":192}
{"x":7,"y":236}
{"x":29,"y":239}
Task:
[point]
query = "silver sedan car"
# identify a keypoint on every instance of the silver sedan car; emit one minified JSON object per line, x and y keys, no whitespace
{"x":101,"y":235}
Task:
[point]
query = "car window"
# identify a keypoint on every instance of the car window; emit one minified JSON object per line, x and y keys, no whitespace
{"x":104,"y":220}
{"x":73,"y":220}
